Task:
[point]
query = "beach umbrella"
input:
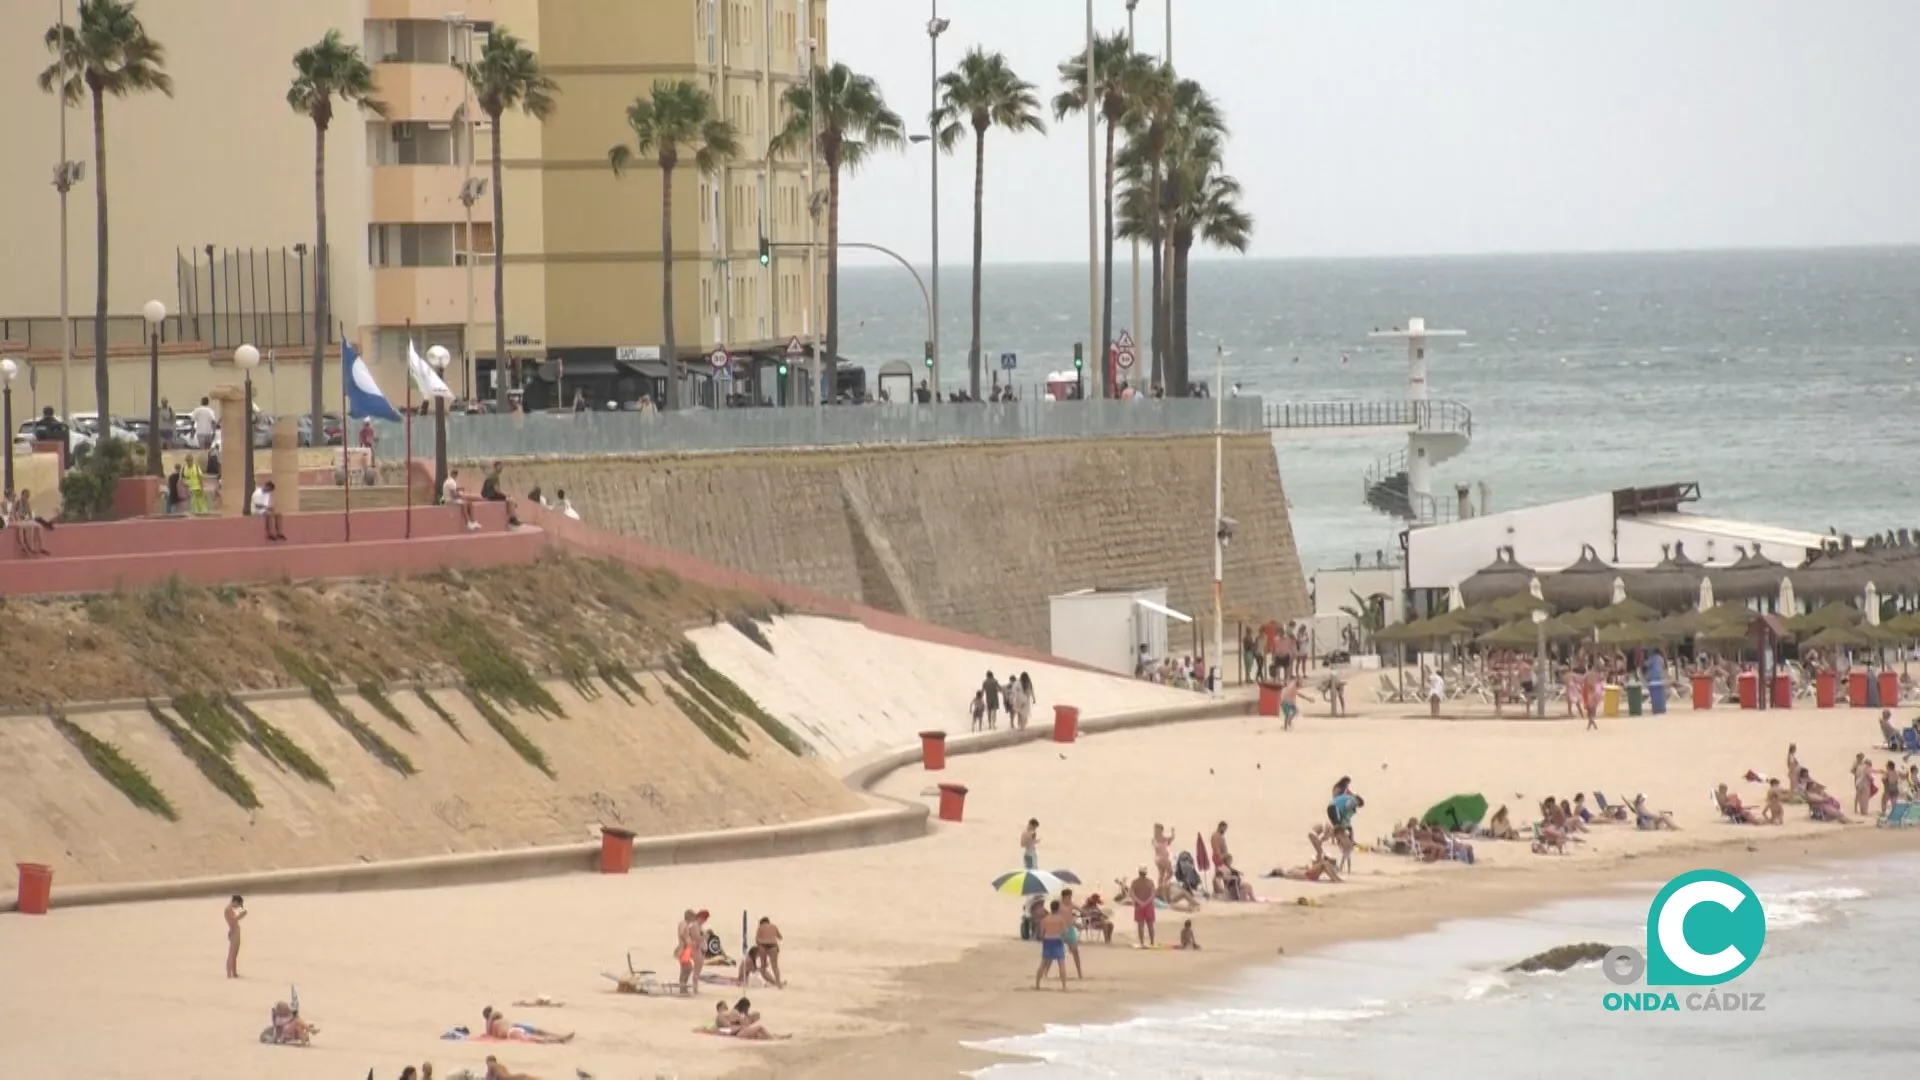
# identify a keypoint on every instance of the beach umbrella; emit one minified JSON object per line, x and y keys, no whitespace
{"x":1706,"y":593}
{"x":1518,"y":606}
{"x":1841,"y":637}
{"x":1457,"y":814}
{"x":1201,"y":861}
{"x":1752,"y":577}
{"x":1480,"y":616}
{"x":1502,"y":577}
{"x":1455,"y":602}
{"x":1788,"y":605}
{"x":1586,"y":583}
{"x":1839,"y":575}
{"x":1905,"y":628}
{"x":1619,"y":589}
{"x":1629,"y":610}
{"x":1671,"y":584}
{"x":1827,"y":615}
{"x":1870,"y":604}
{"x":1524,"y":633}
{"x":1630,"y":634}
{"x":1034,"y":882}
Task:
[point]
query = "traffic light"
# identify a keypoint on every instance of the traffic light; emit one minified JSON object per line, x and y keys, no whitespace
{"x":783,"y":369}
{"x":929,"y":353}
{"x":766,"y":250}
{"x":1079,"y":372}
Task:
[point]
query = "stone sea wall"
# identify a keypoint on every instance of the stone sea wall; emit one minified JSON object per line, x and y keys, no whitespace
{"x":975,"y":536}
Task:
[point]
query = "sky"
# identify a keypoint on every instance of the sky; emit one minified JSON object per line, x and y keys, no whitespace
{"x":1426,"y":127}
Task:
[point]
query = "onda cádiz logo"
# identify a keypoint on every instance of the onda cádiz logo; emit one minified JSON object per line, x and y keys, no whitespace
{"x":1705,"y":928}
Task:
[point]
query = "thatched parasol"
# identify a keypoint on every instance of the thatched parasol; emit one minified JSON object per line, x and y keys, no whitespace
{"x":1587,"y":583}
{"x":1822,"y":618}
{"x":1502,"y":577}
{"x":1439,"y":628}
{"x":1518,"y":605}
{"x":1843,"y":637}
{"x":1671,"y":585}
{"x":1905,"y":628}
{"x":1626,"y":611}
{"x":1834,"y":576}
{"x":1481,"y":616}
{"x":1752,"y":577}
{"x":1631,"y":634}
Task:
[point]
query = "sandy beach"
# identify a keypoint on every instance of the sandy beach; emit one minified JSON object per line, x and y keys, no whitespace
{"x":897,"y":954}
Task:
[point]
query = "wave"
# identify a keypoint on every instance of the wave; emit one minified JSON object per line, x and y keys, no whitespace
{"x":1807,"y":907}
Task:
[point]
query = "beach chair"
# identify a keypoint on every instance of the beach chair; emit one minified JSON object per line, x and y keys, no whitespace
{"x":1904,"y":815}
{"x":1389,"y":694}
{"x":1910,"y":741}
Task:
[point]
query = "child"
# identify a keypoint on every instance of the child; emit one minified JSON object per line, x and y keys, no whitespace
{"x":979,"y":709}
{"x":1187,"y":940}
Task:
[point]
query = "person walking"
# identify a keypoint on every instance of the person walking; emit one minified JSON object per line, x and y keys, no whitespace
{"x":196,"y":486}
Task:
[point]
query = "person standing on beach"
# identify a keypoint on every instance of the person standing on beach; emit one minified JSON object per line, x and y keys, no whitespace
{"x":1071,"y":935}
{"x":1436,"y":693}
{"x":1218,"y":842}
{"x":1289,"y":703}
{"x":1889,"y":787}
{"x":236,"y":910}
{"x":1053,"y":945}
{"x":1030,"y":844}
{"x":1862,"y":785}
{"x":991,"y":687}
{"x":767,"y":937}
{"x":1141,"y":892}
{"x":685,"y":951}
{"x":1163,"y":853}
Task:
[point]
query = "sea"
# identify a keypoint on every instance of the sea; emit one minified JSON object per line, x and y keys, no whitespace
{"x":1784,"y":383}
{"x":1837,"y":973}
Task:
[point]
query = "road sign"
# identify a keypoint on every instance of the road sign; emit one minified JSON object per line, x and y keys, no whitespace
{"x":795,"y":349}
{"x":1123,"y":356}
{"x":1009,"y":361}
{"x":1124,"y":341}
{"x":719,"y":358}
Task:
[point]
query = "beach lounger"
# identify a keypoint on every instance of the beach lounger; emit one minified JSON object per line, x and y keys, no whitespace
{"x":1910,"y":741}
{"x":1904,"y":815}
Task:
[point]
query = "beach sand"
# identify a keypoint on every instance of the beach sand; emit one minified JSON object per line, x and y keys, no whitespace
{"x":897,"y":954}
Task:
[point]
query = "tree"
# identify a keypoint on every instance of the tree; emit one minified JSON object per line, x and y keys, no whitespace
{"x":982,"y":92}
{"x":852,"y":122}
{"x":1208,"y":210}
{"x":1194,"y":132}
{"x":678,"y":115}
{"x":1149,"y":114}
{"x":1117,"y":73}
{"x":327,"y":69}
{"x":107,"y":55}
{"x":1369,"y":615}
{"x":507,"y":76}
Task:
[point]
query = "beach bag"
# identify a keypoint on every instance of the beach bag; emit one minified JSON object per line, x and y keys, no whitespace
{"x":1186,"y":873}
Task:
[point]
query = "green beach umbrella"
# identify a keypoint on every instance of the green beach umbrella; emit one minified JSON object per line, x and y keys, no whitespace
{"x":1629,"y":634}
{"x":1457,"y":814}
{"x":1519,"y":606}
{"x":1824,"y":617}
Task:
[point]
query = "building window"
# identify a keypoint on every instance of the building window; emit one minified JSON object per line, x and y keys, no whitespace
{"x":412,"y":143}
{"x":415,"y":245}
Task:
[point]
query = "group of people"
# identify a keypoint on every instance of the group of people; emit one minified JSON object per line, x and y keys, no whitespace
{"x":1015,"y":695}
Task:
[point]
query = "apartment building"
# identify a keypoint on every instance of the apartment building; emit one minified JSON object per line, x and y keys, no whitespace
{"x":211,"y":194}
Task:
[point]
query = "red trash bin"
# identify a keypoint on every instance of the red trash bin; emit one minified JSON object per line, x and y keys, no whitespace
{"x":1269,"y":699}
{"x":1749,"y":685}
{"x":36,"y":888}
{"x":953,"y":801}
{"x":616,"y":850}
{"x":1782,"y":691}
{"x":933,"y":750}
{"x":1890,"y":689}
{"x":1066,"y":723}
{"x":1857,"y":688}
{"x":1703,"y":691}
{"x":1823,"y":690}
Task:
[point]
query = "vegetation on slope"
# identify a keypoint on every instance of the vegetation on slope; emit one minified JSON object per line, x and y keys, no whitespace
{"x":105,"y":758}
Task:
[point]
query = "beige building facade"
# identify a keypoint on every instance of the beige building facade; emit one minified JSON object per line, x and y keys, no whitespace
{"x":211,"y":196}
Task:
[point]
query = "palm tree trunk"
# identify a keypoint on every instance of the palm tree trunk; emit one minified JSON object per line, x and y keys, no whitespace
{"x":321,"y":317}
{"x":1181,"y":248}
{"x":828,"y":383}
{"x":1159,"y":282}
{"x":1176,"y":361}
{"x":1106,"y":302}
{"x":499,"y":276}
{"x":101,"y":389}
{"x":979,"y":201}
{"x":666,"y":287}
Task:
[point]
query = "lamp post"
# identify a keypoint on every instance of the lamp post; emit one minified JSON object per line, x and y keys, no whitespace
{"x":1135,"y":307}
{"x":1101,"y":388}
{"x":155,"y":313}
{"x":1222,"y":524}
{"x":439,"y":358}
{"x":8,"y":369}
{"x":1540,"y":672}
{"x":935,"y":27}
{"x":246,"y":358}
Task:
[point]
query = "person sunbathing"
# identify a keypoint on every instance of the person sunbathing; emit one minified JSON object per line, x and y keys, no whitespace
{"x":1320,"y":869}
{"x":1821,"y":802}
{"x":1650,"y":821}
{"x":497,"y":1027}
{"x":1228,"y":884}
{"x":1178,"y":897}
{"x":1574,"y":822}
{"x":1403,"y":841}
{"x":1500,"y":827}
{"x":1095,"y":920}
{"x":1729,"y":804}
{"x":740,"y":1021}
{"x":287,"y":1028}
{"x":497,"y":1071}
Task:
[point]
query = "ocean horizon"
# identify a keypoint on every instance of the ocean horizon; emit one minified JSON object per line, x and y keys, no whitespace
{"x":1772,"y":378}
{"x":1835,"y":970}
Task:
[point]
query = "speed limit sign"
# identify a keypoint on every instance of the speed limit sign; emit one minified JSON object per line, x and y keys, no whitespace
{"x":719,"y":358}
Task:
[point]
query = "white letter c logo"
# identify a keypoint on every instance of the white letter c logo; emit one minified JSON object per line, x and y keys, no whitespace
{"x":1673,"y":921}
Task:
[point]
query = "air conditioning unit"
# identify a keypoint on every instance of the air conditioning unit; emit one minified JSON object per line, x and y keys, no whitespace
{"x":402,"y":131}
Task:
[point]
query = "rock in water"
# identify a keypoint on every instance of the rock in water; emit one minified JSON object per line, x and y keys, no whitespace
{"x":1563,"y":957}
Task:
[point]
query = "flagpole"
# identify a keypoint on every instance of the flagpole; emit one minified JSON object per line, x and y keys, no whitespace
{"x":407,"y":473}
{"x":346,"y":463}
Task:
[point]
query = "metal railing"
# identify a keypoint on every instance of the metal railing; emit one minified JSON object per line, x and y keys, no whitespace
{"x":481,"y":437}
{"x":1438,"y":415}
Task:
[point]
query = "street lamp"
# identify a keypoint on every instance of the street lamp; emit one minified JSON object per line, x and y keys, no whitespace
{"x":1540,"y":664}
{"x":935,"y":27}
{"x":8,"y":369}
{"x":439,"y":358}
{"x":246,"y":358}
{"x":155,"y":313}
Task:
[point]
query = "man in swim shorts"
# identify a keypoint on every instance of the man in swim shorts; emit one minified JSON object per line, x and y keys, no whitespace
{"x":1072,"y":934}
{"x":1053,"y":945}
{"x":1141,"y":892}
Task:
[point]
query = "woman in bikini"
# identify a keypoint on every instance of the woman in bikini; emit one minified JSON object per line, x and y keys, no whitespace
{"x":767,"y":937}
{"x":740,"y":1021}
{"x":1162,"y":854}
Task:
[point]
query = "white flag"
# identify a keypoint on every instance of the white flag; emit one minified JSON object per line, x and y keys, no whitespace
{"x":425,"y":379}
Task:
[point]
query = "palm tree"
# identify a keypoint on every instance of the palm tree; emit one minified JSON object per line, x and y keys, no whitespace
{"x":107,"y":55}
{"x":322,"y":71}
{"x":507,"y":76}
{"x":1117,"y":70}
{"x":1208,"y":209}
{"x":853,"y":122}
{"x":1194,"y":132}
{"x":678,"y":114}
{"x":982,"y":93}
{"x":1149,"y":115}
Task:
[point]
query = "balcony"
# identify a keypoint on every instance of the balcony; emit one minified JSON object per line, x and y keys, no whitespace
{"x":427,"y":92}
{"x":424,"y":193}
{"x":431,"y":295}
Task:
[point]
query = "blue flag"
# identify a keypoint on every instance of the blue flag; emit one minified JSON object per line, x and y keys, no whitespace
{"x":364,"y":399}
